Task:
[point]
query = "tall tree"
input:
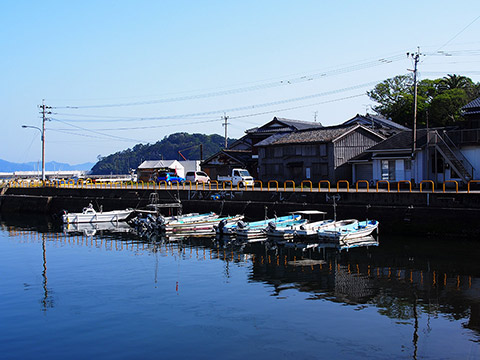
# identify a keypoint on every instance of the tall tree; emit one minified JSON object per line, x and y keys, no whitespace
{"x":440,"y":100}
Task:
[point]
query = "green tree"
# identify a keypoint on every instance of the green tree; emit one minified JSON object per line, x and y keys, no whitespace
{"x":440,"y":99}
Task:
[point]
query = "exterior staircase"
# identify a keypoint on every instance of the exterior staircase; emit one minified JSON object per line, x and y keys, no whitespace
{"x":453,"y":156}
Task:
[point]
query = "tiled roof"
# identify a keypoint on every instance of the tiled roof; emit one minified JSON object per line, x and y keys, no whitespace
{"x":271,"y":139}
{"x":377,"y":119}
{"x":325,"y":134}
{"x":284,"y":125}
{"x":472,"y":105}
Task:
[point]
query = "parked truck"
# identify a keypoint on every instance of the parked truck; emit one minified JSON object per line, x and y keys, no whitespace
{"x":240,"y":177}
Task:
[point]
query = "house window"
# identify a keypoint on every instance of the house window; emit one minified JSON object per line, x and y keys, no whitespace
{"x":388,"y":169}
{"x":307,"y":173}
{"x":323,"y":149}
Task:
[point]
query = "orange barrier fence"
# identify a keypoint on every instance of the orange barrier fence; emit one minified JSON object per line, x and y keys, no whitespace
{"x":384,"y":181}
{"x":257,"y":182}
{"x":451,"y":181}
{"x":306,"y":182}
{"x":272,"y":185}
{"x":404,"y":182}
{"x":427,"y":182}
{"x":362,"y":182}
{"x":323,"y":182}
{"x":226,"y":183}
{"x":273,"y":182}
{"x":341,"y":182}
{"x":285,"y":185}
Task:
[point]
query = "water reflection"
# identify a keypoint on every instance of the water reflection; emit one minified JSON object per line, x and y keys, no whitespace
{"x":91,"y":229}
{"x":402,"y":278}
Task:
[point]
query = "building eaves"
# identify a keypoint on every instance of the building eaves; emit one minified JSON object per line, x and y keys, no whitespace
{"x":401,"y":141}
{"x":475,"y":104}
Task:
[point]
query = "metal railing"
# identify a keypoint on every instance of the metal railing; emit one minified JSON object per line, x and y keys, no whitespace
{"x":401,"y":186}
{"x":445,"y":140}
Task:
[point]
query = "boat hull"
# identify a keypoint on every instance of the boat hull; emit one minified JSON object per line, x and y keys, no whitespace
{"x":107,"y":216}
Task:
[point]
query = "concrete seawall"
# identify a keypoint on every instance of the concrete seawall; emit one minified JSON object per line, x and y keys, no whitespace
{"x":455,"y":214}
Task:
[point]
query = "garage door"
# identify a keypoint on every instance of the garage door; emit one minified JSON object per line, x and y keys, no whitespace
{"x":363,"y":172}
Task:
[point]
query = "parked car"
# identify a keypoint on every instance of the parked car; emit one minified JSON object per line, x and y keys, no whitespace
{"x":169,"y":177}
{"x":197,"y":177}
{"x":240,"y":177}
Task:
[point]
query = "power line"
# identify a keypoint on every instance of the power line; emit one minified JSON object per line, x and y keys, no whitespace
{"x":286,"y":82}
{"x":241,"y":108}
{"x":461,"y":31}
{"x":220,"y":119}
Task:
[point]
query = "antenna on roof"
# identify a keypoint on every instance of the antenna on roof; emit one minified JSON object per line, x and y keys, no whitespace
{"x":315,"y":116}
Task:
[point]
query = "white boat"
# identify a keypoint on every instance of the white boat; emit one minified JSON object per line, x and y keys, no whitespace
{"x":257,"y":229}
{"x":90,"y":215}
{"x":307,"y":230}
{"x":302,"y":229}
{"x":347,"y":230}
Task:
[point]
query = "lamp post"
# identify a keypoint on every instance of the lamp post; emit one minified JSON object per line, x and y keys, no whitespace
{"x":42,"y":132}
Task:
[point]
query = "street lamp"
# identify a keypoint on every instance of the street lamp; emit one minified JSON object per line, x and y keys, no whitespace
{"x":42,"y":133}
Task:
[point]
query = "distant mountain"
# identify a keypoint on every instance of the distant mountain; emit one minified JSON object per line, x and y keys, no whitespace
{"x":169,"y":148}
{"x":6,"y":166}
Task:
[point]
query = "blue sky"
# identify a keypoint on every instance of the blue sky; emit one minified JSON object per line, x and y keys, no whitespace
{"x":119,"y":73}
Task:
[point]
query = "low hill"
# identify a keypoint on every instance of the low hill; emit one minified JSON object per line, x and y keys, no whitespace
{"x":168,"y":148}
{"x":6,"y":166}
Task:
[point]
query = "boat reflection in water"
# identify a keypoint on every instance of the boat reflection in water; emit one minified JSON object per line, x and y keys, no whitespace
{"x":91,"y":229}
{"x":424,"y":289}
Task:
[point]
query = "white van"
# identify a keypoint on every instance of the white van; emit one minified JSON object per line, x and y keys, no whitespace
{"x":197,"y":177}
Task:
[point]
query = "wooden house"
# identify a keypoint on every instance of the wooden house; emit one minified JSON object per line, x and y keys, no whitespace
{"x":313,"y":154}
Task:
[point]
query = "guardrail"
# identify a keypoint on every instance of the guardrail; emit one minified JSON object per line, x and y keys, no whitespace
{"x":360,"y":182}
{"x":258,"y":185}
{"x":428,"y":182}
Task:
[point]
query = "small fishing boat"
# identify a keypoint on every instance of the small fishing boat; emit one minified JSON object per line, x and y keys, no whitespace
{"x":186,"y":218}
{"x":166,"y":223}
{"x":303,"y":229}
{"x":257,"y":229}
{"x":90,"y":215}
{"x":279,"y":230}
{"x":206,"y":225}
{"x":347,"y":230}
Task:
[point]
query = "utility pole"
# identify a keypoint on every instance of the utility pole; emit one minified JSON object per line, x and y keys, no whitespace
{"x":44,"y":111}
{"x":225,"y":117}
{"x":416,"y":58}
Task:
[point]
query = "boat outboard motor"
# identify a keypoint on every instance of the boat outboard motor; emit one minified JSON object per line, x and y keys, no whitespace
{"x":272,"y":225}
{"x":241,"y":225}
{"x":221,"y":225}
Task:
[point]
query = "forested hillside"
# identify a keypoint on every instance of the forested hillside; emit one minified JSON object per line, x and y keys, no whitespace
{"x":168,"y":149}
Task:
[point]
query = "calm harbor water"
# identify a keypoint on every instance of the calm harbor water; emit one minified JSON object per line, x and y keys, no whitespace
{"x":112,"y":295}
